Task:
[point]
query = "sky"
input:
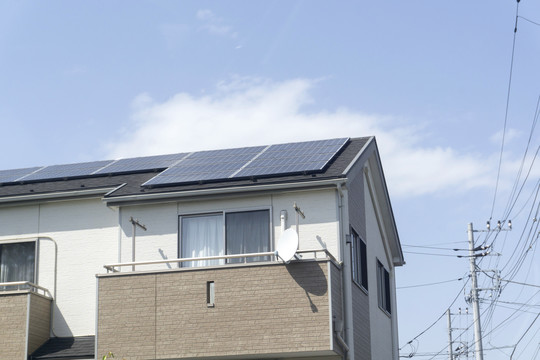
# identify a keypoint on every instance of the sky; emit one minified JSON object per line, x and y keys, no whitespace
{"x":83,"y":81}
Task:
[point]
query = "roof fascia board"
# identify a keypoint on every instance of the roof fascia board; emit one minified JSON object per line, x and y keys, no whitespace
{"x":383,"y":199}
{"x":54,"y":196}
{"x":172,"y":196}
{"x":359,"y":155}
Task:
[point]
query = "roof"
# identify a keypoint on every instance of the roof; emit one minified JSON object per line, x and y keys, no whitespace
{"x":118,"y":185}
{"x":57,"y":348}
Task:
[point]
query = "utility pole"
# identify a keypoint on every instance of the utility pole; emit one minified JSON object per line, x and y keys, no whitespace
{"x":474,"y":297}
{"x":450,"y":342}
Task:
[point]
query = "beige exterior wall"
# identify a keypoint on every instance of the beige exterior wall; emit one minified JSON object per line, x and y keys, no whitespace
{"x":14,"y":319}
{"x":260,"y":311}
{"x":39,"y":324}
{"x":13,"y":313}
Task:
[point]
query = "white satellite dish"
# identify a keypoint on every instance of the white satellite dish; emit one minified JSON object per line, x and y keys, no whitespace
{"x":287,"y":245}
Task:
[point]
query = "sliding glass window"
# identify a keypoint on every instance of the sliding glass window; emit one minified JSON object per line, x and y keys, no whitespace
{"x":225,"y":233}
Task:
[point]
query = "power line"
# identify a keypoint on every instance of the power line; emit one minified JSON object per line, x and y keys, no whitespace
{"x":429,"y":284}
{"x":506,"y":111}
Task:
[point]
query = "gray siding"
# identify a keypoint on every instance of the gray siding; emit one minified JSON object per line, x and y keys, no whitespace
{"x":360,"y":300}
{"x":362,"y":339}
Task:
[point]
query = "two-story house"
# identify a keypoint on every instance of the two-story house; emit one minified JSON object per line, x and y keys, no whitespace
{"x":265,"y":252}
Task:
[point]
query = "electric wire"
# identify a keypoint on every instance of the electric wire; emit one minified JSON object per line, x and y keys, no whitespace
{"x":506,"y":111}
{"x":429,"y":284}
{"x":522,"y":336}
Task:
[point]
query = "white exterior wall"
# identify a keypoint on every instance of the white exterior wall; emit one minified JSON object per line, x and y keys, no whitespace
{"x":318,"y":230}
{"x":382,"y":342}
{"x":89,"y":234}
{"x":84,"y":231}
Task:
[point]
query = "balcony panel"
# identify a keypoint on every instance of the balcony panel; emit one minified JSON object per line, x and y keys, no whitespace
{"x":260,"y":311}
{"x":24,"y":323}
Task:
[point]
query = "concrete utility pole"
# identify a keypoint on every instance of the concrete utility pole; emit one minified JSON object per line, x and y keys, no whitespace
{"x":450,"y":342}
{"x":474,"y":297}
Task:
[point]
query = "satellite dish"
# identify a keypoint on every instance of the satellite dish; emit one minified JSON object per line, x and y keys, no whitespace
{"x":287,"y":245}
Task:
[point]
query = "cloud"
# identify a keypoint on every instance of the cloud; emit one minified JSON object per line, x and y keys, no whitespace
{"x":215,"y":25}
{"x":511,"y":134}
{"x":253,"y":111}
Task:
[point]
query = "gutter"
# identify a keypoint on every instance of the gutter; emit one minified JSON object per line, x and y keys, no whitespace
{"x":220,"y":191}
{"x":60,"y":195}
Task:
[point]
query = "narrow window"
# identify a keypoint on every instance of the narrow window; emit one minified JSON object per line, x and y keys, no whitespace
{"x":359,"y":260}
{"x":210,"y":293}
{"x":383,"y":282}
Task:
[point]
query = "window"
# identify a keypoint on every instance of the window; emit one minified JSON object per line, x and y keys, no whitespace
{"x":359,"y":260}
{"x":383,"y":281}
{"x":17,"y":261}
{"x":225,"y":233}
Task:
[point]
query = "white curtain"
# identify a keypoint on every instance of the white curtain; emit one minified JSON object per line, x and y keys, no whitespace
{"x":202,"y":236}
{"x":17,"y":262}
{"x":248,"y":232}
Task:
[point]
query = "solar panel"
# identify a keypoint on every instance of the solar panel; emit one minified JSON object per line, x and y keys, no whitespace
{"x":65,"y":171}
{"x":141,"y":164}
{"x":291,"y":158}
{"x":206,"y":165}
{"x":13,"y":175}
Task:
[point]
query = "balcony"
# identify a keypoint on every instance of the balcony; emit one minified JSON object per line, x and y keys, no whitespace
{"x":241,"y":311}
{"x":25,"y":310}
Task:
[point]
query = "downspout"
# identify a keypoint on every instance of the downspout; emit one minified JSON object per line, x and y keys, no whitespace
{"x":55,"y":277}
{"x":346,"y":292}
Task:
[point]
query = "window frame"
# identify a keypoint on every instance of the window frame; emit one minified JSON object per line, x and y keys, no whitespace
{"x":359,"y":266}
{"x":36,"y":254}
{"x":384,"y":290}
{"x":224,"y":213}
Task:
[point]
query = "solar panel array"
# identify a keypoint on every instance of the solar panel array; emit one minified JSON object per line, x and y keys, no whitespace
{"x":65,"y":171}
{"x":141,"y":164}
{"x":292,"y":158}
{"x":14,"y":175}
{"x":206,"y":165}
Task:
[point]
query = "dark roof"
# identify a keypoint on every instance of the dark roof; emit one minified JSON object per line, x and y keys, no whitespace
{"x":132,"y":181}
{"x":80,"y":347}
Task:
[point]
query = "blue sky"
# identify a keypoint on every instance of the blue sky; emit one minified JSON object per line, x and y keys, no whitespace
{"x":82,"y":81}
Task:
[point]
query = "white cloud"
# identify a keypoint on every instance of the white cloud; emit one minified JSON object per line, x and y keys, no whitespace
{"x":251,"y":111}
{"x":511,"y":134}
{"x":215,"y":25}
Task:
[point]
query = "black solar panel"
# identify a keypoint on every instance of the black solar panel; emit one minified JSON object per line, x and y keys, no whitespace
{"x":293,"y":158}
{"x":207,"y":165}
{"x":14,"y":175}
{"x":65,"y":171}
{"x":141,"y":164}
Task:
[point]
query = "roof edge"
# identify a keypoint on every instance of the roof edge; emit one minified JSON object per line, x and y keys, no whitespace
{"x":112,"y":201}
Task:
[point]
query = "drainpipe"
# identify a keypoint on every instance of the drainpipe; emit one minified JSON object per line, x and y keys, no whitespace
{"x":345,"y":280}
{"x":55,"y":277}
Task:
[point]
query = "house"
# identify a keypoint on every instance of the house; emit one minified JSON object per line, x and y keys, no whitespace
{"x":265,"y":252}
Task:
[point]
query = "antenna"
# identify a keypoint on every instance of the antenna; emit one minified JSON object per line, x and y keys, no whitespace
{"x":287,"y":245}
{"x":135,"y":223}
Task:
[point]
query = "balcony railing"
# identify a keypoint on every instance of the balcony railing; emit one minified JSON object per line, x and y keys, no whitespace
{"x":25,"y":286}
{"x":315,"y":254}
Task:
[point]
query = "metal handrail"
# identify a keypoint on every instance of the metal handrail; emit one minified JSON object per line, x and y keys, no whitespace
{"x":112,"y":267}
{"x":31,"y":287}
